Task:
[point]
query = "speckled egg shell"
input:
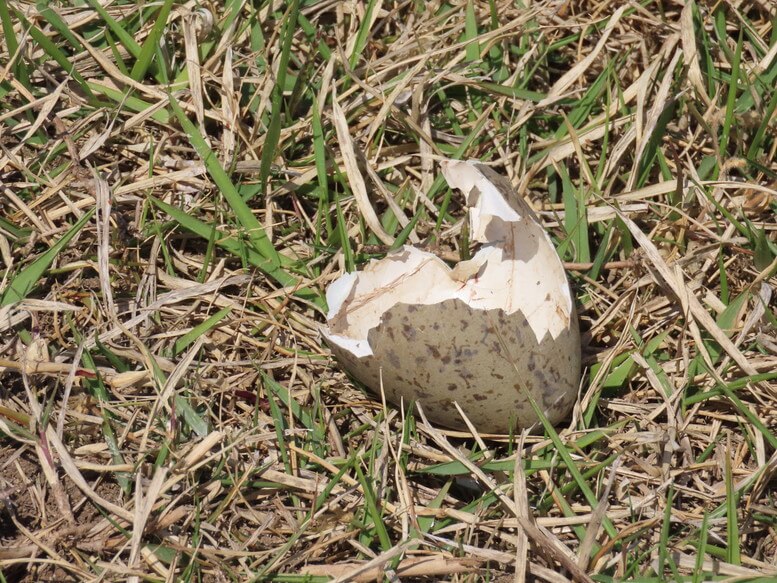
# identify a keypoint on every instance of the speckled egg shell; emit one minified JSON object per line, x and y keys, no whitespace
{"x":486,"y":361}
{"x":490,"y":334}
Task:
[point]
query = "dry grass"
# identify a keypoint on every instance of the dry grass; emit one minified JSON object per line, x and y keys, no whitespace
{"x":176,"y":198}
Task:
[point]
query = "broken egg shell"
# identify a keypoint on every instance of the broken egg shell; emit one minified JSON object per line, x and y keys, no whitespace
{"x":447,"y":352}
{"x":486,"y":334}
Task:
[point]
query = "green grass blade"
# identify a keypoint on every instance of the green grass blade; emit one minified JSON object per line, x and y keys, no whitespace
{"x":234,"y":246}
{"x":571,"y":466}
{"x":750,"y":416}
{"x":731,"y":98}
{"x":299,"y":413}
{"x":116,"y":28}
{"x":202,"y":328}
{"x":405,"y":232}
{"x":341,"y":230}
{"x":100,"y":392}
{"x":701,"y":550}
{"x":151,"y":44}
{"x":513,"y":92}
{"x":130,"y":102}
{"x":20,"y":67}
{"x":245,"y":217}
{"x":755,"y":145}
{"x":732,"y":386}
{"x":372,"y":510}
{"x":319,"y":153}
{"x":575,"y":219}
{"x":53,"y":51}
{"x":732,"y":520}
{"x":118,"y":59}
{"x":279,"y":422}
{"x":472,"y":50}
{"x":193,"y":419}
{"x":55,"y":20}
{"x":118,"y":363}
{"x":663,"y":540}
{"x":274,"y":130}
{"x":763,"y":255}
{"x":362,"y":35}
{"x":25,"y":281}
{"x":425,"y":523}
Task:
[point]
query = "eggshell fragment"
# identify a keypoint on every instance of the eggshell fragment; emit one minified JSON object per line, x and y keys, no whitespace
{"x":486,"y":334}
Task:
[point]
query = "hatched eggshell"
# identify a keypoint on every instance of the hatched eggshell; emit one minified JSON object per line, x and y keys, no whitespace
{"x":486,"y":334}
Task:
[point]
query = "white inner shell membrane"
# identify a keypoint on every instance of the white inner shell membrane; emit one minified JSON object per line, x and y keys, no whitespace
{"x":517,"y":268}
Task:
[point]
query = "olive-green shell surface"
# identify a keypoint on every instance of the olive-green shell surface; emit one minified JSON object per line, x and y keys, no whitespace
{"x":486,"y":361}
